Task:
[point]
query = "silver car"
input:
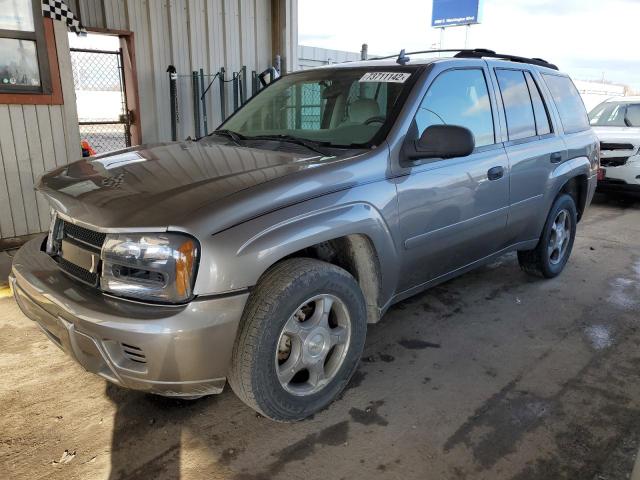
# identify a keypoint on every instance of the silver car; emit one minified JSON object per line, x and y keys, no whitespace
{"x":259,"y":253}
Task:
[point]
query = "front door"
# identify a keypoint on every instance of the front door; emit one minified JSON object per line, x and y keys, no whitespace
{"x":454,"y":211}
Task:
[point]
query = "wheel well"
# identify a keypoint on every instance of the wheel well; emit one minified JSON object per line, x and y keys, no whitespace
{"x":577,"y":187}
{"x":357,"y":255}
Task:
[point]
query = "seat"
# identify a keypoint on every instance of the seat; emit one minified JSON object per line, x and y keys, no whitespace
{"x":361,"y":110}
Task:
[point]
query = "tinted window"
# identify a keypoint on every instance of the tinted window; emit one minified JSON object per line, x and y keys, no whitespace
{"x":517,"y":104}
{"x":567,"y":99}
{"x":459,"y":97}
{"x":539,"y":108}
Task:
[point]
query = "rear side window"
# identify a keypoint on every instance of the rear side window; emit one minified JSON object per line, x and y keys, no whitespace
{"x":517,"y":104}
{"x":567,"y":99}
{"x":539,"y":108}
{"x":459,"y":97}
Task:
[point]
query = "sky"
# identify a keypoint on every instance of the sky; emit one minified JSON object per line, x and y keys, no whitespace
{"x":588,"y":39}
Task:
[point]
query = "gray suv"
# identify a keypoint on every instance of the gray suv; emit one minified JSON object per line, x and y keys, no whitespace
{"x":259,"y":253}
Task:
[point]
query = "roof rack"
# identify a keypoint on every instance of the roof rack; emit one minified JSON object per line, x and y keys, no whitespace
{"x":402,"y":58}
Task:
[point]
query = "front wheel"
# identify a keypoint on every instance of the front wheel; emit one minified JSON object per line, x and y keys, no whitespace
{"x":300,"y":340}
{"x":556,"y":242}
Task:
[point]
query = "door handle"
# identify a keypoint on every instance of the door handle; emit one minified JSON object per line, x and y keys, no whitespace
{"x":495,"y":173}
{"x":556,"y":157}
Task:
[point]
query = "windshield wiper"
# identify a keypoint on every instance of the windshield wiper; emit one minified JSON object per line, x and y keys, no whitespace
{"x":310,"y":144}
{"x":234,"y":136}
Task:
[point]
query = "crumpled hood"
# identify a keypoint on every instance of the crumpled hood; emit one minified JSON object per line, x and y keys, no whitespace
{"x":162,"y":185}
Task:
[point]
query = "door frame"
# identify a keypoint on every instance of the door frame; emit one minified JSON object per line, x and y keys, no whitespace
{"x":127,"y":44}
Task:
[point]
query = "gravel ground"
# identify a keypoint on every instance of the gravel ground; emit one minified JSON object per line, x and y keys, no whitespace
{"x":494,"y":375}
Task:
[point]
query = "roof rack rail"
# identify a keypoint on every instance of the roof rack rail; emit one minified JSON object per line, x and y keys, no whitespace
{"x":472,"y":53}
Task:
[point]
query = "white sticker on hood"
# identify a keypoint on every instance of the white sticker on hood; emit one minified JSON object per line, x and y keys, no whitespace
{"x":385,"y":77}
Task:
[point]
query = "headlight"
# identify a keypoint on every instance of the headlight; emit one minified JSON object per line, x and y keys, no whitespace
{"x":157,"y":267}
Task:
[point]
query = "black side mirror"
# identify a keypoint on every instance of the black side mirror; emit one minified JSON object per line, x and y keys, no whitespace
{"x":443,"y":141}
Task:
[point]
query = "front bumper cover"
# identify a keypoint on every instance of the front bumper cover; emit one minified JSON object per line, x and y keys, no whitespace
{"x":169,"y":350}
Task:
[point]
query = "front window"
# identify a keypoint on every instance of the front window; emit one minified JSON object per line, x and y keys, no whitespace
{"x":339,"y":107}
{"x":615,"y":114}
{"x":459,"y":97}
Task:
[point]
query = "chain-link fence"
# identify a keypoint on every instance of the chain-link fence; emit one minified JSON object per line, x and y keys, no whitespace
{"x":101,"y":99}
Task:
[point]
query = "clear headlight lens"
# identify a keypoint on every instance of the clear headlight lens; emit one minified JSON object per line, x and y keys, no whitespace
{"x":156,"y":267}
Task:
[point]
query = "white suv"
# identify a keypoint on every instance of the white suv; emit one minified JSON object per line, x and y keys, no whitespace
{"x":617,"y":124}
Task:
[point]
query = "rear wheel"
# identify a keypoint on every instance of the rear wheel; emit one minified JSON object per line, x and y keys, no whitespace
{"x":556,"y":242}
{"x":300,"y":340}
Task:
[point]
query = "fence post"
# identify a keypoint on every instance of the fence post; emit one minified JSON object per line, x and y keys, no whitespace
{"x":364,"y":52}
{"x":173,"y":99}
{"x":196,"y":102}
{"x":243,"y":85}
{"x":254,"y":82}
{"x":204,"y":103}
{"x":223,"y":110}
{"x":236,"y":85}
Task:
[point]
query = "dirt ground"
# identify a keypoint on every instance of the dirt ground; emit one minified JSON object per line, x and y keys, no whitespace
{"x":494,"y":375}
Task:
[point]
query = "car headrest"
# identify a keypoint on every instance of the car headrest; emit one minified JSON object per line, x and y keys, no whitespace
{"x":363,"y":109}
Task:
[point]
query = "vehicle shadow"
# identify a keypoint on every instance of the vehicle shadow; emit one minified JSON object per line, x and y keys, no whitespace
{"x":163,"y":438}
{"x":617,"y":199}
{"x":147,"y":433}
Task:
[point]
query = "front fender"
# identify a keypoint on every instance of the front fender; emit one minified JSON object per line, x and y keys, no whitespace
{"x":236,"y":258}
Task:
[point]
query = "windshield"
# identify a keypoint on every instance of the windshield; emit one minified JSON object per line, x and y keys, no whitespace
{"x":337,"y":107}
{"x":615,"y":114}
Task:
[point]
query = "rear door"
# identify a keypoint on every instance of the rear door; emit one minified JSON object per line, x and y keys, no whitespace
{"x":454,"y":211}
{"x":533,"y":145}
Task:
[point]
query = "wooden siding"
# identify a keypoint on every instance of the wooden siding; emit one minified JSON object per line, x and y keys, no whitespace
{"x":33,"y":140}
{"x":190,"y":34}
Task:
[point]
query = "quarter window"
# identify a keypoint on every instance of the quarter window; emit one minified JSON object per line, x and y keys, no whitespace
{"x":567,"y":99}
{"x":517,"y":104}
{"x":459,"y":97}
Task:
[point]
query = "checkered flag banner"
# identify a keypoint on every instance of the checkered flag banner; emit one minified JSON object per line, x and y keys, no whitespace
{"x":58,"y":10}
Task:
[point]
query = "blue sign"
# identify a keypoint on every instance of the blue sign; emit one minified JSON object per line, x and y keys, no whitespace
{"x":449,"y":13}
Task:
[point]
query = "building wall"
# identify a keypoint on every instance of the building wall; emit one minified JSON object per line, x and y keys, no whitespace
{"x":593,"y":93}
{"x":35,"y":139}
{"x":189,"y":34}
{"x":310,"y":57}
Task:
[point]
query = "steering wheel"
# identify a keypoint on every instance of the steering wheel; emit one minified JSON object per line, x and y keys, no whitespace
{"x":377,"y":119}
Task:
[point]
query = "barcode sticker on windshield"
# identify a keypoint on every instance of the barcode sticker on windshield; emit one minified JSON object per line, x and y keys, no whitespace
{"x":387,"y":77}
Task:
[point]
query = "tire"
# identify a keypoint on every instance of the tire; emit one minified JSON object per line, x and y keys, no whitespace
{"x":290,"y":297}
{"x":548,"y":260}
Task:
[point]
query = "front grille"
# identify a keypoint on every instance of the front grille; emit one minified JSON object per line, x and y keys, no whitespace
{"x":613,"y":161}
{"x":616,"y":146}
{"x":78,"y":272}
{"x":83,"y":235}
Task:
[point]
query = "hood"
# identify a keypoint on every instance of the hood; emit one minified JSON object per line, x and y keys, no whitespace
{"x":164,"y":185}
{"x":618,"y":134}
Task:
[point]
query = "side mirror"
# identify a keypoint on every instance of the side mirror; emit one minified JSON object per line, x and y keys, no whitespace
{"x":443,"y":141}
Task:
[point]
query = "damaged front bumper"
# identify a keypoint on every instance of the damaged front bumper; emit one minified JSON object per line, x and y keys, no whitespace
{"x":168,"y":350}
